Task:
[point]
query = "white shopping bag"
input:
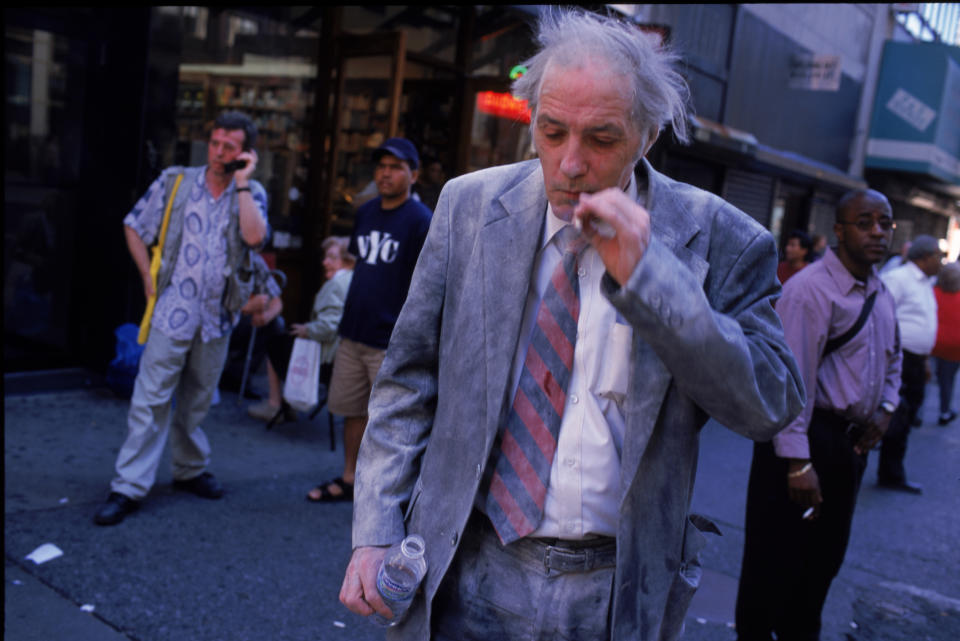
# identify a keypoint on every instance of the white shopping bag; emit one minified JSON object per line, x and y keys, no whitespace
{"x":300,"y":388}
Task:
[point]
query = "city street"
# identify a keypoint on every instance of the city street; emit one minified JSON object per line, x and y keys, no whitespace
{"x":265,"y":564}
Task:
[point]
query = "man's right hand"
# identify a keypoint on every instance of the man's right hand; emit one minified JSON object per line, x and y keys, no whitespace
{"x":804,"y":489}
{"x":359,"y":590}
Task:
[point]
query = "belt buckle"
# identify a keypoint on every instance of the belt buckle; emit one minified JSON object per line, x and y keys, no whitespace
{"x":566,"y":559}
{"x":548,"y":562}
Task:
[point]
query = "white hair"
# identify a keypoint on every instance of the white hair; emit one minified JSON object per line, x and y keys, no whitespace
{"x":569,"y":37}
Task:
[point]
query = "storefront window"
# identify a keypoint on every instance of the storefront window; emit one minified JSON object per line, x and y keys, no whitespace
{"x":266,"y":68}
{"x":45,"y":86}
{"x":500,"y":131}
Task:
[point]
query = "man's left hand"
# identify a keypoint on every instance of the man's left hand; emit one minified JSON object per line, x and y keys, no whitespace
{"x":629,"y":221}
{"x":242,"y":176}
{"x":873,"y":432}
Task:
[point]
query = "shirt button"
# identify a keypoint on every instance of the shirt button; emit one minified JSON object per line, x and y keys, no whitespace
{"x":570,"y":462}
{"x":574,"y":399}
{"x":582,"y":272}
{"x":453,"y":539}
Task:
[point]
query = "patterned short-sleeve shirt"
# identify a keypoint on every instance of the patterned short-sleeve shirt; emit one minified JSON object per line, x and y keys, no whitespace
{"x":192,"y":301}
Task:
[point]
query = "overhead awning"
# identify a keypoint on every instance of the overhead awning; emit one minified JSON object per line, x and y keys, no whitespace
{"x":766,"y":158}
{"x":916,"y":119}
{"x":713,"y":133}
{"x":799,"y":164}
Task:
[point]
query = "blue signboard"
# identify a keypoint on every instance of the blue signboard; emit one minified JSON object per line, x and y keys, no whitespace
{"x":916,"y":114}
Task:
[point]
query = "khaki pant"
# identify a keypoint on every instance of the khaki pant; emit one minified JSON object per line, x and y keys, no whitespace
{"x":355,"y":369}
{"x":191,"y":369}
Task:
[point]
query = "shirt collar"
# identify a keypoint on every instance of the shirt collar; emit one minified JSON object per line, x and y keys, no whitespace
{"x":555,"y":224}
{"x":844,"y":279}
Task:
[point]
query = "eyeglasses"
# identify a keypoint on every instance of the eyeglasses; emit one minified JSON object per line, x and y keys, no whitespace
{"x":867,"y":224}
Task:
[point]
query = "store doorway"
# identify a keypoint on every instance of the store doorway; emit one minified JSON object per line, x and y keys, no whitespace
{"x":366,"y":111}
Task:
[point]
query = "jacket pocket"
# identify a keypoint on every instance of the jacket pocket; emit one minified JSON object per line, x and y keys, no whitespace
{"x":688,"y":577}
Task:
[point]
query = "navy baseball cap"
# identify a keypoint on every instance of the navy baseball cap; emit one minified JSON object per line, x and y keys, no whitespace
{"x":401,"y":148}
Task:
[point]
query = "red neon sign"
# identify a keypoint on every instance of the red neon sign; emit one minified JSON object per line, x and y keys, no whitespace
{"x":503,"y":105}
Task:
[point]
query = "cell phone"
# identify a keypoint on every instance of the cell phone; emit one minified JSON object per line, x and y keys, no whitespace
{"x":234,"y":165}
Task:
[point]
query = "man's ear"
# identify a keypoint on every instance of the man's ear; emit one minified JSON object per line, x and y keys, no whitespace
{"x":652,"y":136}
{"x":838,"y":232}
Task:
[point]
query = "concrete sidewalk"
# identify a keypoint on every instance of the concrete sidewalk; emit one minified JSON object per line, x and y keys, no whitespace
{"x":263,"y":563}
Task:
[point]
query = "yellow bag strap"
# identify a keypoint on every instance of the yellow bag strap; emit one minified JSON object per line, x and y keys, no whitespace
{"x":155,"y":261}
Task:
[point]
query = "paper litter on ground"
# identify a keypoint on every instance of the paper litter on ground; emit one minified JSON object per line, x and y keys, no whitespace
{"x":44,"y":553}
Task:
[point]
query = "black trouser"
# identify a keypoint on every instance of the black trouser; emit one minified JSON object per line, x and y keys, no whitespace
{"x":894,"y":448}
{"x":240,"y":343}
{"x":789,"y":562}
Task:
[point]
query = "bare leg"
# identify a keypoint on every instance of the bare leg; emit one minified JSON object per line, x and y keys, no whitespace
{"x":275,"y":395}
{"x":353,"y":429}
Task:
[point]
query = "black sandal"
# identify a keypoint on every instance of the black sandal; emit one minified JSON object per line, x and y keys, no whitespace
{"x":285,"y":414}
{"x":326,"y":496}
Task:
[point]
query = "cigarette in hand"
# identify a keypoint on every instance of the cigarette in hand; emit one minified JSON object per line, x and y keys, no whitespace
{"x":601,"y":227}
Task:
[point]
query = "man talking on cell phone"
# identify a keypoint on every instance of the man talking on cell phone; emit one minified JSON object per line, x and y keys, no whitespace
{"x":213,"y":213}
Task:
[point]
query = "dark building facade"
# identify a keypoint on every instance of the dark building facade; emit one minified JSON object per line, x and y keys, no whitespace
{"x":99,"y":101}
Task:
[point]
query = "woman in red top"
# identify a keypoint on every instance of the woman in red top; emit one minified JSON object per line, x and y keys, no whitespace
{"x":946,"y":351}
{"x":796,"y":255}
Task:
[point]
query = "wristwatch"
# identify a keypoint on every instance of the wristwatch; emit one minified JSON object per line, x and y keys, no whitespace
{"x":888,"y":407}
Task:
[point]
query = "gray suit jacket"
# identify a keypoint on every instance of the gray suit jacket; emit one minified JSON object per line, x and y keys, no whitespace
{"x":706,"y":342}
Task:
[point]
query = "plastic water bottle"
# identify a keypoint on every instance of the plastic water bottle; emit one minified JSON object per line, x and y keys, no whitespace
{"x":400,"y":574}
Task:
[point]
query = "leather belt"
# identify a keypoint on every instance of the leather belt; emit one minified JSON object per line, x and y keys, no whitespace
{"x":560,"y":555}
{"x":573,"y":556}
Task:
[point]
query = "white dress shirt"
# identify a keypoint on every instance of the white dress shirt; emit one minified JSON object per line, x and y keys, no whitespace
{"x":584,"y":489}
{"x":916,"y":307}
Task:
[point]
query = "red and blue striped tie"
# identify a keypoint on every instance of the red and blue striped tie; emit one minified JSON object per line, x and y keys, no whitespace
{"x":519,"y":469}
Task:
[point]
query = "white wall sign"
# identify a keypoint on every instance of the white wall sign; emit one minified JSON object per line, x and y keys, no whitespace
{"x":917,"y":114}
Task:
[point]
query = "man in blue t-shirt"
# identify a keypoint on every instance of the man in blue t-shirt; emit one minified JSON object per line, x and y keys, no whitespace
{"x":387,"y":238}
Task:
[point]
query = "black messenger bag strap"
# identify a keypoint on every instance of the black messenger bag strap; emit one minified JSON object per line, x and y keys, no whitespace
{"x":836,"y":343}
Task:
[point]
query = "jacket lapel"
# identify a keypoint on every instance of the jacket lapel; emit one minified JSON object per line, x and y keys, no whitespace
{"x":510,"y":239}
{"x":675,"y":227}
{"x":671,"y":222}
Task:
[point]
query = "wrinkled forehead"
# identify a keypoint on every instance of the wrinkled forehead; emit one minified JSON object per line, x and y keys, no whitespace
{"x":595,"y":78}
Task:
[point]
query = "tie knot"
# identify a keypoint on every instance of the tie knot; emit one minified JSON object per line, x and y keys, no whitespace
{"x":569,"y":240}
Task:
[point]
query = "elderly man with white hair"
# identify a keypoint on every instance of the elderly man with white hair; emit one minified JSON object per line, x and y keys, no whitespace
{"x":572,"y":323}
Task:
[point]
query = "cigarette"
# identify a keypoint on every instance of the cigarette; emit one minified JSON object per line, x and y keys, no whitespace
{"x":808,"y":513}
{"x":601,"y":227}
